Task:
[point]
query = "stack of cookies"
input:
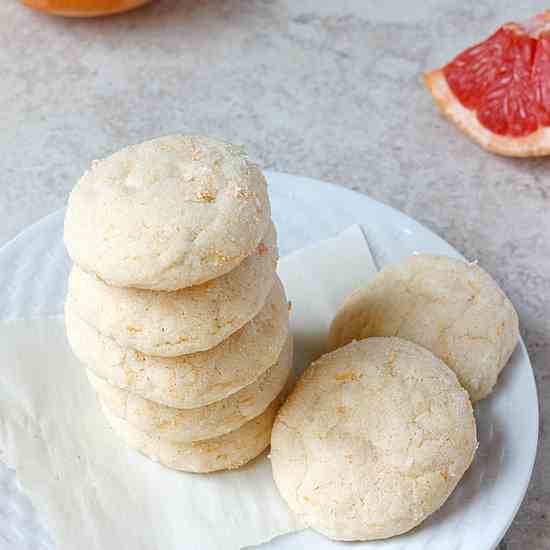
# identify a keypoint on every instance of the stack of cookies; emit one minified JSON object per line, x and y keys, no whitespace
{"x":174,"y":306}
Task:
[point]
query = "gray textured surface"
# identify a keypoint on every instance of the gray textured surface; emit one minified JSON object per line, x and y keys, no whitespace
{"x":319,"y":88}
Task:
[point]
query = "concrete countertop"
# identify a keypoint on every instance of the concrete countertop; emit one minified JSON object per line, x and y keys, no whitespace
{"x":325,"y":89}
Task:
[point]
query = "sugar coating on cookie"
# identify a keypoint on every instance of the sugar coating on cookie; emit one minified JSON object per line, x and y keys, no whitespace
{"x":453,"y":308}
{"x":184,"y":321}
{"x":167,"y":213}
{"x":373,"y":439}
{"x":226,"y":452}
{"x":193,"y":380}
{"x":200,"y":423}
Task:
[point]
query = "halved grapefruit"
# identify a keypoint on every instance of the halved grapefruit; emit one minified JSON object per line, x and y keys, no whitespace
{"x":498,"y":92}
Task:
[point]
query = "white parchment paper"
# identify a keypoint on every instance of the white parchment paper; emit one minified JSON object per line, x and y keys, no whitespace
{"x":93,"y":492}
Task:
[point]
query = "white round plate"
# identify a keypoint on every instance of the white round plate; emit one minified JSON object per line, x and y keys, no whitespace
{"x":33,"y":276}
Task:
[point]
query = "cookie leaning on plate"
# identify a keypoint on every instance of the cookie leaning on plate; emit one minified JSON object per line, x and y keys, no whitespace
{"x":453,"y":308}
{"x":183,"y":321}
{"x":187,"y":381}
{"x":373,"y":439}
{"x":213,"y":420}
{"x":168,"y":213}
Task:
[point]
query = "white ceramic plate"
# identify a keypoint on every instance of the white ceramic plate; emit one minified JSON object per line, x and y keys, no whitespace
{"x":33,"y":276}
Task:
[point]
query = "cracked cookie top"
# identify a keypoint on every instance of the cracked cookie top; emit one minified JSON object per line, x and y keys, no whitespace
{"x":168,"y":213}
{"x":453,"y":308}
{"x":372,"y":440}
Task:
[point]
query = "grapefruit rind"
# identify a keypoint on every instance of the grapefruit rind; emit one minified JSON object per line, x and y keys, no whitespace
{"x":534,"y":145}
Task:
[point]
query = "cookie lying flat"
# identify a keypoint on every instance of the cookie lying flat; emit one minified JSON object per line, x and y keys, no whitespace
{"x":167,"y":214}
{"x":193,"y":380}
{"x":373,"y":439}
{"x":453,"y":308}
{"x":180,"y":322}
{"x":200,"y":423}
{"x":229,"y":451}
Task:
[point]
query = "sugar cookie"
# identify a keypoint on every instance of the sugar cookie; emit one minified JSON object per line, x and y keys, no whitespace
{"x":168,"y":213}
{"x":453,"y":308}
{"x":199,"y":423}
{"x":180,"y":322}
{"x":373,"y":439}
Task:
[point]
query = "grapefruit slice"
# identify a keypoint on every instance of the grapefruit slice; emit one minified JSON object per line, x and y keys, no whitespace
{"x":498,"y":91}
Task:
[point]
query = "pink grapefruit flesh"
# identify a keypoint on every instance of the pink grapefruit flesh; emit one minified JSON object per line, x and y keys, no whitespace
{"x":498,"y":91}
